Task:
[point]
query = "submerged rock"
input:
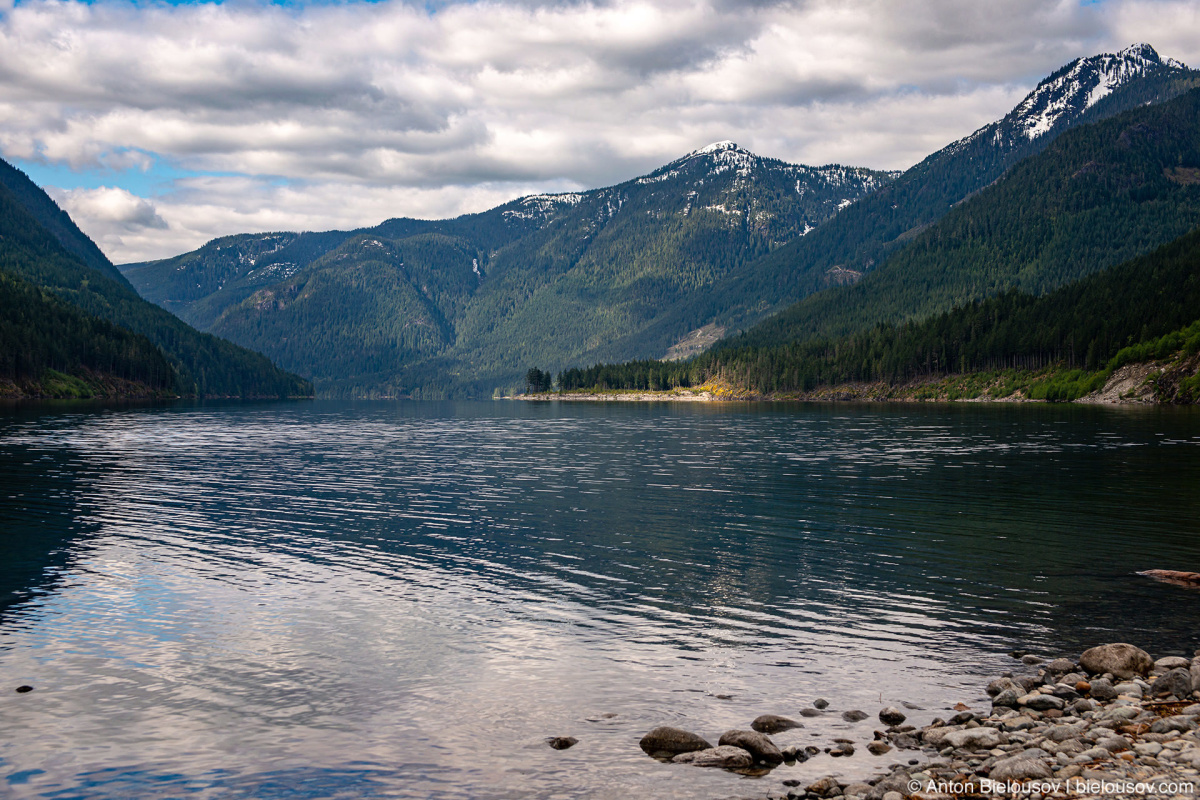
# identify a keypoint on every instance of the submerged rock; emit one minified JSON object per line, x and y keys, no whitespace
{"x":821,"y":703}
{"x":771,"y":723}
{"x":1122,"y":660}
{"x":723,"y":757}
{"x":854,"y":716}
{"x":24,"y":689}
{"x":892,"y":716}
{"x":668,"y":742}
{"x":562,"y":742}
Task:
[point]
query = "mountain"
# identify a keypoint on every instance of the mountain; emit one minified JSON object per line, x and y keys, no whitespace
{"x":861,"y":237}
{"x":1099,"y":195}
{"x":88,"y":320}
{"x":468,"y":304}
{"x":666,"y":263}
{"x":1145,"y":309}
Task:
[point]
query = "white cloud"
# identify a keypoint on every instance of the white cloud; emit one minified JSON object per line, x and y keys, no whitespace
{"x":386,"y":109}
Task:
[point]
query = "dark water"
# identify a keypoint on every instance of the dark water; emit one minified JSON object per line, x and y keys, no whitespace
{"x":382,"y":600}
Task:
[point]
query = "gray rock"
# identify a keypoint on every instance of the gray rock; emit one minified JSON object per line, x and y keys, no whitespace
{"x":1000,"y":684}
{"x":1195,"y":677}
{"x":757,"y":744}
{"x":810,"y":712}
{"x":668,"y":742}
{"x":935,"y":736}
{"x":821,"y":703}
{"x":1192,"y":710}
{"x":1177,"y":682}
{"x":892,"y":796}
{"x":562,"y":742}
{"x":878,"y":748}
{"x":1008,"y":697}
{"x":794,"y":753}
{"x":724,"y":757}
{"x":1031,"y":659}
{"x":1019,"y":768}
{"x":1172,"y":662}
{"x":1122,"y":660}
{"x":857,"y":790}
{"x":770,"y":723}
{"x":1041,"y":702}
{"x":1148,"y":748}
{"x":1062,"y":733}
{"x":854,"y":716}
{"x":981,"y":738}
{"x":1061,"y":666}
{"x":843,"y":749}
{"x":892,"y":716}
{"x":1114,"y":744}
{"x":1130,"y":689}
{"x":1093,"y":754}
{"x":1102,"y":690}
{"x":1180,"y":723}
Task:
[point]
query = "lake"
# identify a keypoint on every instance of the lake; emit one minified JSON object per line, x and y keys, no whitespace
{"x":358,"y":600}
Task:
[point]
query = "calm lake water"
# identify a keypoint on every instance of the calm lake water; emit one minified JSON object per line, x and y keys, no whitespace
{"x":314,"y":600}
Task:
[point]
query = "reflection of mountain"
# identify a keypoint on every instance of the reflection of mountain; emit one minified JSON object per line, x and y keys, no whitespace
{"x":40,"y":519}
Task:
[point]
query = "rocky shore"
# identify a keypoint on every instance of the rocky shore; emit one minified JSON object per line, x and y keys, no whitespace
{"x":1114,"y":723}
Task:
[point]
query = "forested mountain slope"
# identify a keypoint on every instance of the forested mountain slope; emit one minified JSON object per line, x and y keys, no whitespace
{"x":200,"y":364}
{"x":465,"y":304}
{"x":862,"y":237}
{"x":1097,"y":196}
{"x":1089,"y":324}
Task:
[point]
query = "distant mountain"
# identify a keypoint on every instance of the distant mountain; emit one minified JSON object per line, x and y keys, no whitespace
{"x":862,"y":236}
{"x":1099,"y":195}
{"x":64,"y":314}
{"x":716,"y":240}
{"x":469,"y":303}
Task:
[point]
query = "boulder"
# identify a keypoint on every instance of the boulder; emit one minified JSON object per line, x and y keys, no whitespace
{"x":757,"y":744}
{"x":854,"y":716}
{"x":1122,"y":660}
{"x":1177,"y":682}
{"x":892,"y":716}
{"x":723,"y":757}
{"x":770,"y":723}
{"x":668,"y":742}
{"x":1020,"y":768}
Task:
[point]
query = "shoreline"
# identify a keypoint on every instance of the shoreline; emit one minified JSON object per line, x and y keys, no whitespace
{"x":1112,"y":723}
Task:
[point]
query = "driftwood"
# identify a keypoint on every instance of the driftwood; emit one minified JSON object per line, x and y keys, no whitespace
{"x":1172,"y":576}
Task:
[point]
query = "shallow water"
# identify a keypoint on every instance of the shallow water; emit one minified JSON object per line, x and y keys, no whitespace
{"x":403,"y":600}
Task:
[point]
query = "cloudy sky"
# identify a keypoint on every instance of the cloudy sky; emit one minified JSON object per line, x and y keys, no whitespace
{"x":160,"y":126}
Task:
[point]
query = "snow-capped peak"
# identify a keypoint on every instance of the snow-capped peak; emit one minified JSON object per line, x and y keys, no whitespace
{"x":1083,"y":83}
{"x":715,"y":147}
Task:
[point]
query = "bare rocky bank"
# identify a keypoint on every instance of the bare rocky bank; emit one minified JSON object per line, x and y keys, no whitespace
{"x":1114,"y":723}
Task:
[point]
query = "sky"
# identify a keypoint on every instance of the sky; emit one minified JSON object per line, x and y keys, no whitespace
{"x":159,"y":126}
